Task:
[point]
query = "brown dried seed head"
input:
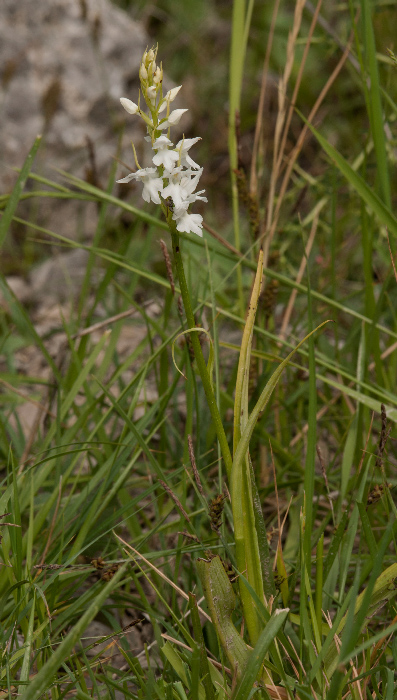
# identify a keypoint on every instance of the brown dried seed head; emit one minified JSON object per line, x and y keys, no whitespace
{"x":377,"y":492}
{"x":216,"y":510}
{"x":168,"y":265}
{"x":110,"y":572}
{"x":194,"y":466}
{"x":98,"y":563}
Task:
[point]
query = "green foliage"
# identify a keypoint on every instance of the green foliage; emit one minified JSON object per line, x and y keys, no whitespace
{"x":258,"y":557}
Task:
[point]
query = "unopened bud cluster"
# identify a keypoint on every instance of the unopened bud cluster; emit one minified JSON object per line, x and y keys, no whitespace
{"x":175,"y":174}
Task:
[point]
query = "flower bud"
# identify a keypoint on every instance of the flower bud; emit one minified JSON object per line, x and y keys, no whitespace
{"x":158,"y":76}
{"x":170,"y":97}
{"x":150,"y":56}
{"x":142,"y":72}
{"x":129,"y":106}
{"x":175,"y":116}
{"x":171,"y":94}
{"x":151,"y":93}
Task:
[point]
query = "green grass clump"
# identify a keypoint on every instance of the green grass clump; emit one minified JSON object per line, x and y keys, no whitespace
{"x":209,"y":474}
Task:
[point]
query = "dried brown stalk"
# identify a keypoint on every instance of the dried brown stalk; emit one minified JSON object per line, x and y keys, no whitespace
{"x":175,"y":499}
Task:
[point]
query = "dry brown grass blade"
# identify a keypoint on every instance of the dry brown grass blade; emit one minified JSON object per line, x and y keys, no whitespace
{"x":259,"y":119}
{"x":176,"y":500}
{"x":282,"y":99}
{"x":160,"y":573}
{"x":297,"y":86}
{"x":222,"y":240}
{"x":112,"y":319}
{"x":294,"y":293}
{"x":31,"y":439}
{"x":27,"y":398}
{"x":298,"y":147}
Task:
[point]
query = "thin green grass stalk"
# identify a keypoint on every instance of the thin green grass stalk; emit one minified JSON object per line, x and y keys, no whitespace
{"x":310,"y":465}
{"x":44,"y":677}
{"x":24,"y":324}
{"x":373,"y":338}
{"x":372,"y":93}
{"x":85,"y":287}
{"x":272,"y":274}
{"x":373,"y":201}
{"x":239,"y":40}
{"x":258,"y":654}
{"x":203,"y":659}
{"x":319,"y":581}
{"x":353,"y":436}
{"x":216,"y":353}
{"x":263,"y":400}
{"x":241,"y":484}
{"x":17,"y":190}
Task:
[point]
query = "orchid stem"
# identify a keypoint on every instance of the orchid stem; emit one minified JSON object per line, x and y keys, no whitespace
{"x":198,"y":353}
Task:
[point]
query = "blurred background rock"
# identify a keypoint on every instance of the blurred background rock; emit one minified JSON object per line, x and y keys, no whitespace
{"x":65,"y":63}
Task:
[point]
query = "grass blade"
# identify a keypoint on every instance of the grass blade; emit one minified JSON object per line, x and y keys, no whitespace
{"x":44,"y":677}
{"x":15,"y":196}
{"x":363,"y":190}
{"x":258,"y":654}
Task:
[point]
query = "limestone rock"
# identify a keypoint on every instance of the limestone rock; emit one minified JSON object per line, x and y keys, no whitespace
{"x":64,"y":65}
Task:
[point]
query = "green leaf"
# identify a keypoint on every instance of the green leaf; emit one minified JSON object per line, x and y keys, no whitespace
{"x":221,"y":602}
{"x":363,"y":190}
{"x":258,"y":654}
{"x":44,"y":677}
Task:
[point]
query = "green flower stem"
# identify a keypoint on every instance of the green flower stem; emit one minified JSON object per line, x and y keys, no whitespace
{"x":198,"y":353}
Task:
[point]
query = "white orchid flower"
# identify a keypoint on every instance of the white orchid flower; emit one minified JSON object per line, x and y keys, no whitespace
{"x":169,"y":97}
{"x":188,"y":223}
{"x":183,"y":147}
{"x":173,"y":119}
{"x":152,"y":184}
{"x":165,"y":157}
{"x":175,"y":174}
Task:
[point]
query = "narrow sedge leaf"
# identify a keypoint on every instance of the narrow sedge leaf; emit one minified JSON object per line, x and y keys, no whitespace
{"x":44,"y":677}
{"x":263,"y":545}
{"x":17,"y":656}
{"x":363,"y":190}
{"x":257,"y":656}
{"x":262,"y":401}
{"x":245,"y":354}
{"x":374,"y":103}
{"x":335,"y":544}
{"x":319,"y":581}
{"x":241,"y":484}
{"x":24,"y":676}
{"x":282,"y":574}
{"x":16,"y":193}
{"x":367,"y":529}
{"x":199,"y":639}
{"x":310,"y":462}
{"x":380,"y":589}
{"x":313,"y":617}
{"x":179,"y":666}
{"x":366,"y":605}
